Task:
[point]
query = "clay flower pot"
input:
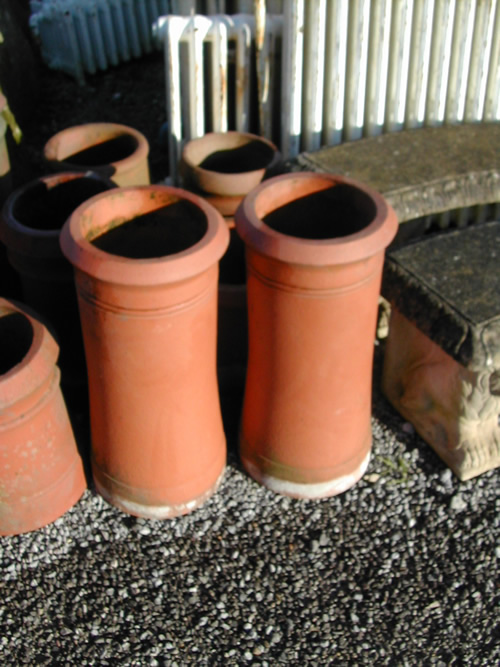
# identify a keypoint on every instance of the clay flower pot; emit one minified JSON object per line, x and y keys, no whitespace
{"x":315,"y":249}
{"x":115,"y":151}
{"x":41,"y":472}
{"x":30,"y":225}
{"x":224,"y":166}
{"x":146,"y":268}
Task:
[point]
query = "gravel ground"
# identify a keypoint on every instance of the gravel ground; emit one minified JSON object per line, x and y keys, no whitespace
{"x":400,"y":570}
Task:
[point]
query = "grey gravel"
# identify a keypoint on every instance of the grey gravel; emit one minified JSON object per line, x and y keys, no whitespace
{"x":400,"y":570}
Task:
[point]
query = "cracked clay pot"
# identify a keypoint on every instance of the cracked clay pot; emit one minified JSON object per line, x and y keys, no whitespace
{"x":314,"y":251}
{"x":41,"y":472}
{"x":146,"y":269}
{"x":116,"y":151}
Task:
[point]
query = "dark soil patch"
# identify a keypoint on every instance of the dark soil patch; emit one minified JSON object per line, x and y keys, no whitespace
{"x":131,"y":93}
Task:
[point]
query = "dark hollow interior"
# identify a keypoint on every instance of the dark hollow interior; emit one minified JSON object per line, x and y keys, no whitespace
{"x":16,"y":336}
{"x":47,"y":209}
{"x":249,"y":157}
{"x":338,"y":211}
{"x":232,"y":267}
{"x":111,"y":150}
{"x":165,"y":231}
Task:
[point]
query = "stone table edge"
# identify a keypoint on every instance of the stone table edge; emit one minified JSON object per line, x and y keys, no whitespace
{"x":480,"y":184}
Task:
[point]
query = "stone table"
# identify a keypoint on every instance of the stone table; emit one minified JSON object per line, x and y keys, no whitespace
{"x":422,"y":171}
{"x":442,"y":358}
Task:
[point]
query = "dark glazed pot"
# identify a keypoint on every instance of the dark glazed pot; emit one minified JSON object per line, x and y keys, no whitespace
{"x":315,"y":250}
{"x":31,"y":223}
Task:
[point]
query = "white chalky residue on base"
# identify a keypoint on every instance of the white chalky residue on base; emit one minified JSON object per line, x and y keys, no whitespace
{"x":320,"y":490}
{"x":155,"y":511}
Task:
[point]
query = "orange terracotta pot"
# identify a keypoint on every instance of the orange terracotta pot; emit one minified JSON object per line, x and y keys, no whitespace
{"x":315,"y":250}
{"x":41,"y":472}
{"x":146,"y":268}
{"x":116,"y":151}
{"x":225,"y":166}
{"x":31,"y":221}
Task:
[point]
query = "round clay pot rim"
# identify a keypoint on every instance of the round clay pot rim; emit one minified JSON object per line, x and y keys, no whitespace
{"x":142,"y":272}
{"x":283,"y":189}
{"x":29,"y":240}
{"x":220,"y":183}
{"x":32,"y":371}
{"x":50,"y":150}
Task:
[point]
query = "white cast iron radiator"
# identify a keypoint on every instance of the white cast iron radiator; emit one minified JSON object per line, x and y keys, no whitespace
{"x":346,"y":69}
{"x":354,"y":68}
{"x":208,"y":69}
{"x":84,"y":36}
